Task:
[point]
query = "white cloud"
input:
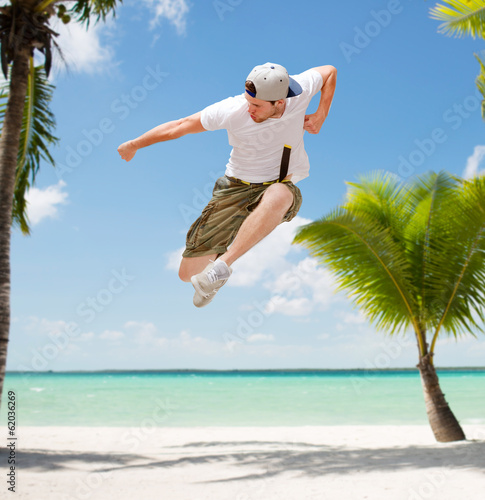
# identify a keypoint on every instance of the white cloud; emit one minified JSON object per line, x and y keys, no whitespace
{"x":198,"y":344}
{"x":362,"y":348}
{"x":295,"y":289}
{"x":143,"y":332}
{"x":43,"y":203}
{"x":260,"y":337}
{"x":301,"y":289}
{"x":146,"y":335}
{"x":57,"y":331}
{"x":473,"y":162}
{"x":356,"y":321}
{"x":84,"y":337}
{"x":353,"y":318}
{"x":268,"y":256}
{"x":174,"y":258}
{"x":43,"y":326}
{"x":290,"y":307}
{"x":111,"y":335}
{"x":303,"y":278}
{"x":174,"y":11}
{"x":82,"y":48}
{"x":187,"y":343}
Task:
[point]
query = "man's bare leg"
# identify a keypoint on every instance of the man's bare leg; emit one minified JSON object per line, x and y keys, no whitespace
{"x":274,"y":204}
{"x":194,"y":265}
{"x":269,"y":213}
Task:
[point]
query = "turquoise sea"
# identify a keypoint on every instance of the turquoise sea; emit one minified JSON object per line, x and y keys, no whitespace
{"x":237,"y":398}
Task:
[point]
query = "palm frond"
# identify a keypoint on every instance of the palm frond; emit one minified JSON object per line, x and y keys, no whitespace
{"x":480,"y":80}
{"x":367,"y":262}
{"x":429,"y":228}
{"x":382,"y":196}
{"x":461,"y":17}
{"x":409,"y":254}
{"x":36,"y":137}
{"x":461,"y":265}
{"x":85,"y":10}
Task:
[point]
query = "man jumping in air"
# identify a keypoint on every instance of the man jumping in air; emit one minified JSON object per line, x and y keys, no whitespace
{"x":265,"y":127}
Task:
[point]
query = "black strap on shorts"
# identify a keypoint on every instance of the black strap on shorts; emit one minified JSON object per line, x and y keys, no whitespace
{"x":285,"y":161}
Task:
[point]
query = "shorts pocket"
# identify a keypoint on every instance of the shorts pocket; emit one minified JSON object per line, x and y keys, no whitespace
{"x":296,"y":205}
{"x":193,"y":234}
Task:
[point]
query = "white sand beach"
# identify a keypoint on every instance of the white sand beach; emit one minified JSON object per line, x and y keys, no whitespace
{"x":247,"y":463}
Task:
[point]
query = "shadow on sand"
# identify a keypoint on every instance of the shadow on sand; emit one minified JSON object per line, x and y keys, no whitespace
{"x":271,"y":458}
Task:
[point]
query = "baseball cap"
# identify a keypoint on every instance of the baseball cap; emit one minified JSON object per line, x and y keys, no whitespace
{"x":272,"y":82}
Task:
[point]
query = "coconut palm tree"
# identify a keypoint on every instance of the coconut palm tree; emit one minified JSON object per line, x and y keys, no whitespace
{"x":464,"y":17}
{"x":412,"y":257}
{"x":480,"y":81}
{"x":27,"y":123}
{"x":36,"y":137}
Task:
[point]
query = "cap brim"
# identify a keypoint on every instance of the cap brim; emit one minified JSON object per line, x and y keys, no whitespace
{"x":294,"y":88}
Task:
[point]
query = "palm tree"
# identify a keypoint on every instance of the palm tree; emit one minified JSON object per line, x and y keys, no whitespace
{"x":411,"y":256}
{"x":464,"y":17}
{"x":27,"y":123}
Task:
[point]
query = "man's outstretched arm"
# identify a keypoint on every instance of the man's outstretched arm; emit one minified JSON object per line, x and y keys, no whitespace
{"x":313,"y":123}
{"x":164,"y":132}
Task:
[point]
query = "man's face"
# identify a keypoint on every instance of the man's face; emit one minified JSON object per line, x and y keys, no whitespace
{"x":260,"y":110}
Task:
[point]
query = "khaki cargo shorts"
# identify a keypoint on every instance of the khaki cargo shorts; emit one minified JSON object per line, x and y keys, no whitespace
{"x":221,"y":219}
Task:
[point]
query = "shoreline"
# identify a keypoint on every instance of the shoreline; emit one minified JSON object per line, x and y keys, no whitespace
{"x":249,"y":370}
{"x":247,"y":463}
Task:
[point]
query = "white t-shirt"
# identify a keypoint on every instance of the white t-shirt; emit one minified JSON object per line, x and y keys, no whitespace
{"x":257,"y":147}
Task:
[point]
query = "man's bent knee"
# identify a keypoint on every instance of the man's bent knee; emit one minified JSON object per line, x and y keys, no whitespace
{"x":186,"y":269}
{"x":184,"y":274}
{"x":280,"y":196}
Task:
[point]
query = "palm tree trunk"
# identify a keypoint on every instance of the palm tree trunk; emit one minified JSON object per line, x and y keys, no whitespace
{"x":443,"y":422}
{"x":9,"y":144}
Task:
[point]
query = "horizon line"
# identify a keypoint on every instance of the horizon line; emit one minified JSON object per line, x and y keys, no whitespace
{"x":238,"y":370}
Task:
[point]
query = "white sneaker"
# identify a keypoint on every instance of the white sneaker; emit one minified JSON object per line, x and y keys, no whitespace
{"x":209,"y":281}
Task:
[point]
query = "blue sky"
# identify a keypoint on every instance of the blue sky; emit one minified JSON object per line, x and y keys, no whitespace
{"x":95,"y":286}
